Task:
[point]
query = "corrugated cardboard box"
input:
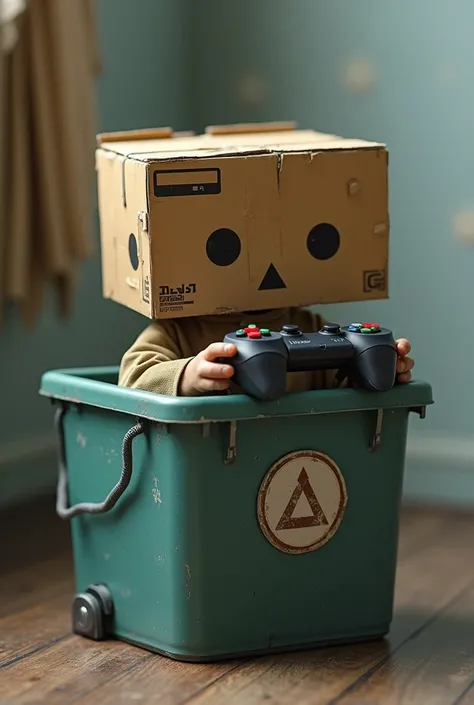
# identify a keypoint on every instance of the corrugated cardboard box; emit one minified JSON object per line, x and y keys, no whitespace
{"x":241,"y":218}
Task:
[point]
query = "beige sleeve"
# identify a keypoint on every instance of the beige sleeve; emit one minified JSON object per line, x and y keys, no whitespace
{"x":154,"y":363}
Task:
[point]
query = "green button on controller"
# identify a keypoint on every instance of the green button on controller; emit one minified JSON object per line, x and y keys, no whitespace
{"x":240,"y":333}
{"x":366,"y":330}
{"x":265,"y":331}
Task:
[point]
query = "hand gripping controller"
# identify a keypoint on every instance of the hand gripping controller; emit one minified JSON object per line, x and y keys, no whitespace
{"x":364,"y":351}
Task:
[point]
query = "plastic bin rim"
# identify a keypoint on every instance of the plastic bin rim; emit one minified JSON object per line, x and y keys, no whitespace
{"x":85,"y":387}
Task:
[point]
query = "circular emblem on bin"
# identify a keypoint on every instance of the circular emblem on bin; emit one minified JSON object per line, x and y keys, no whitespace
{"x":301,"y":502}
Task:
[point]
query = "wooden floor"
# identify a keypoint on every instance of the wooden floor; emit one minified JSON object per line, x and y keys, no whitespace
{"x":427,"y":659}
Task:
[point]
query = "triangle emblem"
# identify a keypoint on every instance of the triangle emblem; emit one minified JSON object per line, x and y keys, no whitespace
{"x":316,"y":518}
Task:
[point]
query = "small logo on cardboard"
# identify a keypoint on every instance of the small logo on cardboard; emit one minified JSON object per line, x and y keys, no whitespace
{"x":186,"y":182}
{"x":173,"y":298}
{"x":146,"y":289}
{"x":375,"y":280}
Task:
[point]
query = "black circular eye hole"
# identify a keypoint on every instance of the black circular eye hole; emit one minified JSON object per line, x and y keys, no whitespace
{"x":133,"y":251}
{"x":323,"y":241}
{"x":223,"y":247}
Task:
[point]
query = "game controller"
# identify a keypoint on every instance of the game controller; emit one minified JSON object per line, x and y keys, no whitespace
{"x":365,"y":352}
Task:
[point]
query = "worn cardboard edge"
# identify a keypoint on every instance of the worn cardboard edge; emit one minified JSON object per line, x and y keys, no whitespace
{"x":152,"y":316}
{"x":206,"y":153}
{"x":151,"y":304}
{"x":226,"y":140}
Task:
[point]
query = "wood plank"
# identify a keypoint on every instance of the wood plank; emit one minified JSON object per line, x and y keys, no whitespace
{"x":76,"y":668}
{"x":40,"y":657}
{"x":312,"y":677}
{"x":34,"y":628}
{"x":34,"y":534}
{"x":66,"y":671}
{"x":467,"y":696}
{"x":320,"y":677}
{"x":34,"y":584}
{"x":48,"y":665}
{"x":436,"y":666}
{"x":151,"y":676}
{"x":418,"y":528}
{"x":159,"y":680}
{"x":36,"y":565}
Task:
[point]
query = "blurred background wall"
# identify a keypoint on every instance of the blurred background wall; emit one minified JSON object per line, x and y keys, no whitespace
{"x":396,"y":72}
{"x":399,"y":72}
{"x":142,"y":83}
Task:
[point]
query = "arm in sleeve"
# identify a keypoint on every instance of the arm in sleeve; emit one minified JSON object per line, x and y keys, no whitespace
{"x":154,"y":362}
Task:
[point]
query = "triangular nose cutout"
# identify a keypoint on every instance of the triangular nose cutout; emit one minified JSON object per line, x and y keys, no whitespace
{"x":271,"y":280}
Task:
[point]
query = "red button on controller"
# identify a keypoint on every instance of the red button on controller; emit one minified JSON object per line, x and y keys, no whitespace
{"x":370,"y":325}
{"x":254,"y":334}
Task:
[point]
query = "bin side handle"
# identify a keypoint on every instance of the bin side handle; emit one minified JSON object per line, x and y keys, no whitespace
{"x":62,"y":509}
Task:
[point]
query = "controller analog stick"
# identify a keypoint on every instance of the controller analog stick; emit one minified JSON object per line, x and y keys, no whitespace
{"x":290,"y":329}
{"x":331,"y":328}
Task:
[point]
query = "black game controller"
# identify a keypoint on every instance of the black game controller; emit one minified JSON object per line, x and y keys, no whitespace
{"x":365,"y":352}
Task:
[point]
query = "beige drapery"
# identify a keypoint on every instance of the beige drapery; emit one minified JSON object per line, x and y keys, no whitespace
{"x":47,"y":139}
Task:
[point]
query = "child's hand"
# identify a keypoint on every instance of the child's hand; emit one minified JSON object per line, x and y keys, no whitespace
{"x":405,"y":364}
{"x":203,"y":374}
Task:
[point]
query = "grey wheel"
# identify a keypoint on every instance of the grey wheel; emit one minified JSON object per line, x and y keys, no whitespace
{"x":92,"y":612}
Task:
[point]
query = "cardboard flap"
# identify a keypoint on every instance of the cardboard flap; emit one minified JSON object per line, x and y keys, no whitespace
{"x":251,"y":127}
{"x":330,"y":145}
{"x":150,"y":151}
{"x":258,"y":138}
{"x":152,"y":133}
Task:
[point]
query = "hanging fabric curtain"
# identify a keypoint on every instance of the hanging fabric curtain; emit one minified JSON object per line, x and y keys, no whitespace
{"x":47,"y":131}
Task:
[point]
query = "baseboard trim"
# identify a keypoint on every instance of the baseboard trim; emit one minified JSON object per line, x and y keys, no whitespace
{"x":439,"y":469}
{"x":28,"y":469}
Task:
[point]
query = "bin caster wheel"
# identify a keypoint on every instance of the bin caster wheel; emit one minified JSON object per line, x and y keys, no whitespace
{"x":91,"y":612}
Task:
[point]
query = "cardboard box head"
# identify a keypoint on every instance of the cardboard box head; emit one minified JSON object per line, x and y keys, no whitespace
{"x":241,"y":219}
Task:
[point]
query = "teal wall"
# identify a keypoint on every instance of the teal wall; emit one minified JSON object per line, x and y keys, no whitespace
{"x":421,"y":103}
{"x":191,"y":64}
{"x":140,"y":42}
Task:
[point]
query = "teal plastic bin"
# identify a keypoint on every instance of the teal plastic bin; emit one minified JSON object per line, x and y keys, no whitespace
{"x":239,"y":527}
